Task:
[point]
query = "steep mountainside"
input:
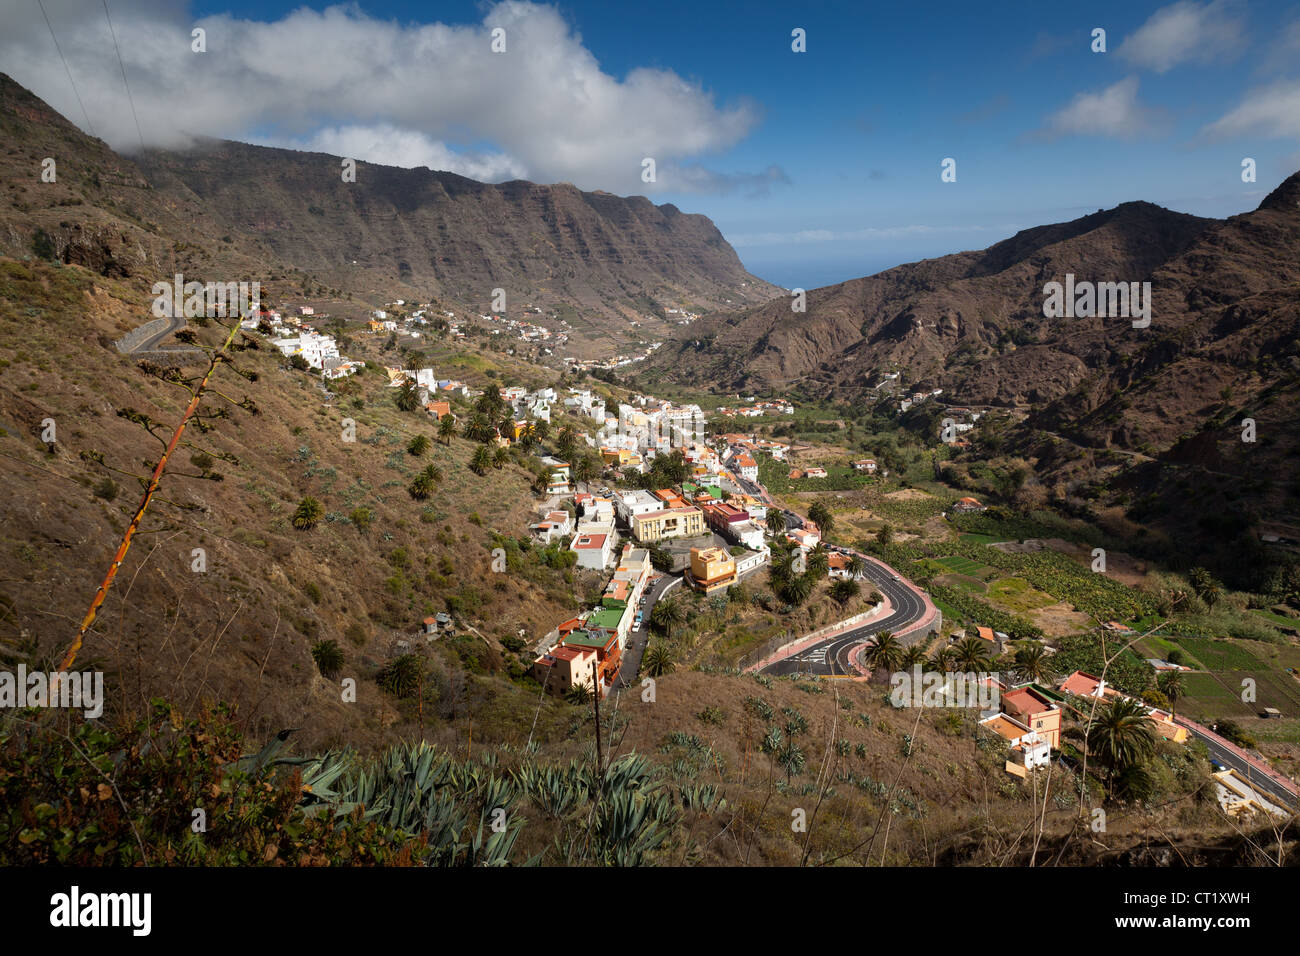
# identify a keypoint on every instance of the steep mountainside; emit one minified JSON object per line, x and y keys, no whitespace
{"x":238,"y":211}
{"x":1223,"y":346}
{"x":600,"y":252}
{"x":972,"y":322}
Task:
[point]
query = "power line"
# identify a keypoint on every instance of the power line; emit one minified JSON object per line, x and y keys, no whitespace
{"x":129,"y":97}
{"x":66,"y":69}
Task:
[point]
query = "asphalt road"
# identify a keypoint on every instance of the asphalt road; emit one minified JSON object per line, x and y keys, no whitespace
{"x":640,"y":635}
{"x":832,"y":655}
{"x":174,"y":324}
{"x":1259,"y":781}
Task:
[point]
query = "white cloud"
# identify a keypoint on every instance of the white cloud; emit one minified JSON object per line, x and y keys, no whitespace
{"x":1184,"y":32}
{"x":1114,"y":111}
{"x":392,"y":146}
{"x":1267,"y":111}
{"x":401,"y":94}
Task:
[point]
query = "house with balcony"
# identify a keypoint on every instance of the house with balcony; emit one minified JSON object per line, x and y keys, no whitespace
{"x":710,"y":570}
{"x":1035,"y":709}
{"x":1029,"y":749}
{"x":668,"y":523}
{"x":563,"y":667}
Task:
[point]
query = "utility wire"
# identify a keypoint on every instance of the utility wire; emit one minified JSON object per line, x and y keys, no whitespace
{"x":66,"y":68}
{"x":129,"y":97}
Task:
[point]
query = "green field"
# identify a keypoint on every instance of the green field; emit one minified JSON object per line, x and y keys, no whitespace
{"x":965,"y":582}
{"x":981,"y":538}
{"x":1220,"y":655}
{"x":1203,"y":696}
{"x":1279,"y":620}
{"x":1015,"y":594}
{"x":963,"y":565}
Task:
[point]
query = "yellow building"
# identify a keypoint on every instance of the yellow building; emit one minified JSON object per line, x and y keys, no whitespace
{"x":668,"y":523}
{"x":711,"y":569}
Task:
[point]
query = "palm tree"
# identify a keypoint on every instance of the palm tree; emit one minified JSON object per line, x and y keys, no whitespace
{"x":821,"y":514}
{"x":479,"y":429}
{"x":971,"y":655}
{"x":418,"y":446}
{"x":818,"y":560}
{"x":1171,"y":685}
{"x":446,"y":428}
{"x":797,"y":588}
{"x":943,"y":659}
{"x":584,"y":469}
{"x":423,"y":485}
{"x":408,"y":396}
{"x":578,"y":694}
{"x":567,"y":443}
{"x":1121,"y":738}
{"x":481,"y":461}
{"x":1034,"y":663}
{"x":500,"y":456}
{"x":775,"y":520}
{"x":844,"y":591}
{"x":307,"y":514}
{"x":857,"y":565}
{"x":885,"y":536}
{"x":658,"y":660}
{"x":667,"y":616}
{"x":883,"y":652}
{"x":781,"y":567}
{"x":912,"y":657}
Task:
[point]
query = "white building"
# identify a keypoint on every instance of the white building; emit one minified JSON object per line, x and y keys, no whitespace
{"x":594,"y":545}
{"x":629,"y":504}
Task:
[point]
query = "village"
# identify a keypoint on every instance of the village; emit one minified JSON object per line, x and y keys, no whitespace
{"x":706,"y":532}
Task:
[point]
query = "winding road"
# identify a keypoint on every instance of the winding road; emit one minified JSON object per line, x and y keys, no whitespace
{"x":831,"y":657}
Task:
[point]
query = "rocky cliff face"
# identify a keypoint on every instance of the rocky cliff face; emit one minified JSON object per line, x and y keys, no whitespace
{"x":971,"y":322}
{"x":607,"y":260}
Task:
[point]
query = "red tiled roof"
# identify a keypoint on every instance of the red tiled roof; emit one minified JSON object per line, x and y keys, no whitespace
{"x":1085,"y":685}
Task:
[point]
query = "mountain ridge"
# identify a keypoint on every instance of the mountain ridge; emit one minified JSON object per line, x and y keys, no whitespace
{"x":614,"y":263}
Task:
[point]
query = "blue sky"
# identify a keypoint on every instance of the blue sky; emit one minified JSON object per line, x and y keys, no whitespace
{"x":818,"y":166}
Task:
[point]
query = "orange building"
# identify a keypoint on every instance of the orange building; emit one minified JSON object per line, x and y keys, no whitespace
{"x":564,"y":667}
{"x":1036,"y":712}
{"x":711,"y":569}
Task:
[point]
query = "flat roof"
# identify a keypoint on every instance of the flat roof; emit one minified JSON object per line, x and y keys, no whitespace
{"x":609,"y":617}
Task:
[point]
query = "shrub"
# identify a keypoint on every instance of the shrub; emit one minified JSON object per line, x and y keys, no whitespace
{"x":308,"y":514}
{"x":402,"y":675}
{"x":712,"y":715}
{"x":328,"y":657}
{"x":106,"y":488}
